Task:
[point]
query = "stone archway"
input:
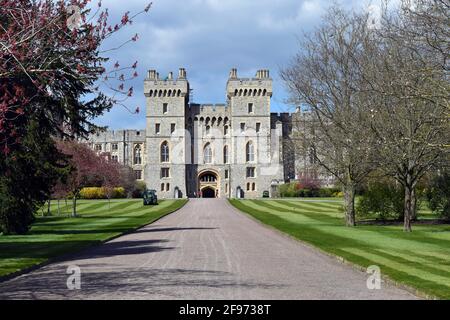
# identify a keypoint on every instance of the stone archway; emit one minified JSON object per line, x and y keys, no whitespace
{"x":208,"y":183}
{"x":208,"y":192}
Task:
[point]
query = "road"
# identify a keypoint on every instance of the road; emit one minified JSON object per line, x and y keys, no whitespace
{"x":206,"y":250}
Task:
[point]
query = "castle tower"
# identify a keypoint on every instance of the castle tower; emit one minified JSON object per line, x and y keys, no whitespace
{"x":167,"y":153}
{"x":249,"y":102}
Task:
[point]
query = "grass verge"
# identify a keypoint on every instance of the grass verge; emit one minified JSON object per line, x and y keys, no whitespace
{"x":98,"y":221}
{"x":420,"y":259}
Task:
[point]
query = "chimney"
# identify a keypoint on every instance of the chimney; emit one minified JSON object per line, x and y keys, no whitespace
{"x":170,"y":76}
{"x":151,"y":75}
{"x":181,"y":73}
{"x":233,"y":73}
{"x":157,"y":76}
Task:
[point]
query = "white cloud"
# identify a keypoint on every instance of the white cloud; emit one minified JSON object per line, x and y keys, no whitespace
{"x":208,"y":38}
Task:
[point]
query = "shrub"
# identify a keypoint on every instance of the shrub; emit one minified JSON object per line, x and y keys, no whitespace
{"x":100,"y":193}
{"x":139,"y":188}
{"x":92,"y":193}
{"x":382,"y":200}
{"x":438,"y":195}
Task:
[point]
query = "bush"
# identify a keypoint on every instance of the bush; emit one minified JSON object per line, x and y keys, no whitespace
{"x":438,"y":195}
{"x":100,"y":193}
{"x":294,"y":189}
{"x":382,"y":200}
{"x":139,"y":188}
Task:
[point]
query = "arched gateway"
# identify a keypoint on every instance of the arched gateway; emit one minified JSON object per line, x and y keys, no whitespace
{"x":208,"y":184}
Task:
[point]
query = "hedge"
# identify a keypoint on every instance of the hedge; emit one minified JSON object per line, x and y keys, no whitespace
{"x":292,"y":190}
{"x":100,"y":193}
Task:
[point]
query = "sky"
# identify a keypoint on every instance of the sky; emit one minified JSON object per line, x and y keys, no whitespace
{"x":208,"y":38}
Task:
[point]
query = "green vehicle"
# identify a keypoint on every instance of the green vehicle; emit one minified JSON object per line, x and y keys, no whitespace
{"x":266,"y":194}
{"x":150,"y":197}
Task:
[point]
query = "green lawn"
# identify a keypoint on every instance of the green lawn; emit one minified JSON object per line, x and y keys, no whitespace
{"x":97,"y":222}
{"x":420,"y":259}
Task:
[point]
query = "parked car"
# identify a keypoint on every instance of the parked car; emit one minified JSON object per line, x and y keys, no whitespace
{"x":150,"y":197}
{"x":266,"y":194}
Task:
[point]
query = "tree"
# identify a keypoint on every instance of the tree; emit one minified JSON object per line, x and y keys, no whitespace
{"x":110,"y":174}
{"x":87,"y":168}
{"x":324,"y":77}
{"x":408,"y":103}
{"x":27,"y":175}
{"x":128,"y":180}
{"x":53,"y":71}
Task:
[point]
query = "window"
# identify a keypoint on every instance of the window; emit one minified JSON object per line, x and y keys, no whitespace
{"x":250,"y":108}
{"x":98,"y":147}
{"x":258,"y":127}
{"x":225,"y":155}
{"x":167,"y":186}
{"x":225,"y":130}
{"x":138,"y":174}
{"x":138,"y":133}
{"x":242,"y":127}
{"x":162,"y":186}
{"x":226,"y":188}
{"x":208,"y":129}
{"x":248,"y":186}
{"x":172,"y":128}
{"x":227,"y":174}
{"x":165,"y":108}
{"x":250,"y":152}
{"x":165,"y":173}
{"x":208,"y":178}
{"x":138,"y":154}
{"x":115,"y":158}
{"x":207,"y":154}
{"x":165,"y":152}
{"x":250,"y":172}
{"x":157,"y":128}
{"x":115,"y":147}
{"x":253,"y":186}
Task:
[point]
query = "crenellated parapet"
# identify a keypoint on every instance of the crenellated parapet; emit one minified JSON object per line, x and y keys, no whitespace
{"x":168,"y":87}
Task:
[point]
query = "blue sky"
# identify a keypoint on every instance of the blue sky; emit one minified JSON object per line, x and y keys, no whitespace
{"x":208,"y":38}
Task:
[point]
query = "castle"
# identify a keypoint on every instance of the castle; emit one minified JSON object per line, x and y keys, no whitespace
{"x":235,"y":150}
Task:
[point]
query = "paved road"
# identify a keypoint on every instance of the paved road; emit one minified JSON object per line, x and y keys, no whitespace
{"x":206,"y":250}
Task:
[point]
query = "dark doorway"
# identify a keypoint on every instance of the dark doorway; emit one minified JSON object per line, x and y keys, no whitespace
{"x":208,"y":193}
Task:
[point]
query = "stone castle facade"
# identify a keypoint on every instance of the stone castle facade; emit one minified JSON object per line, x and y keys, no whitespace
{"x":234,"y":150}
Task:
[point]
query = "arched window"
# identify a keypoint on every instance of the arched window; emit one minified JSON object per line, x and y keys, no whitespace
{"x":250,"y":152}
{"x":165,"y":152}
{"x":208,"y":130}
{"x":207,"y":154}
{"x":225,"y":155}
{"x":225,"y":130}
{"x":138,"y":154}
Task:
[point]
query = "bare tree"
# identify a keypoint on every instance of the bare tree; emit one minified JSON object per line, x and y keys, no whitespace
{"x":324,"y":76}
{"x":408,"y":102}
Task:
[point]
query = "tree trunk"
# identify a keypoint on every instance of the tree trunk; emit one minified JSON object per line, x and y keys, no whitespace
{"x":409,"y":193}
{"x":349,"y":204}
{"x":59,"y":208}
{"x":74,"y":207}
{"x":49,"y":213}
{"x":413,"y":205}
